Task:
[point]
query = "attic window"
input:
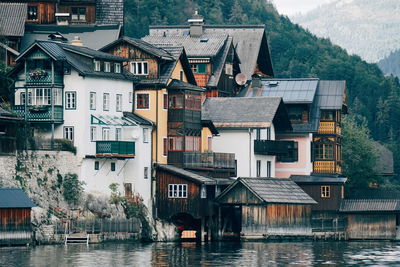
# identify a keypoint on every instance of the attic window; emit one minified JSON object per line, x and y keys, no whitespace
{"x":117,"y":68}
{"x":96,"y":65}
{"x":107,"y":67}
{"x":204,"y":40}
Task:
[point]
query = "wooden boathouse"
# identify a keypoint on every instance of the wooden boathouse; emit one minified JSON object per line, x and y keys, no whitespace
{"x":15,"y":217}
{"x":266,"y":208}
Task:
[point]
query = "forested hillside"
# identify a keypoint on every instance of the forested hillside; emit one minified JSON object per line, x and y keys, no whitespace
{"x":295,"y":53}
{"x":391,"y":64}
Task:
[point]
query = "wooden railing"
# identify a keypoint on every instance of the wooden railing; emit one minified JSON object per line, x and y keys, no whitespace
{"x":327,"y":167}
{"x":40,"y":113}
{"x":329,"y":127}
{"x":115,"y":148}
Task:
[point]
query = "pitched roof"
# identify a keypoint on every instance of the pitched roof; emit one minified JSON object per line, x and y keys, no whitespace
{"x":14,"y":198}
{"x":93,"y":36}
{"x":239,"y":112}
{"x":12,"y":19}
{"x":246,"y":39}
{"x":375,"y":193}
{"x":305,"y":179}
{"x":197,"y":178}
{"x":369,"y":205}
{"x":219,"y":64}
{"x":138,"y":119}
{"x":208,"y":45}
{"x":330,"y":94}
{"x":271,"y":190}
{"x":180,"y":85}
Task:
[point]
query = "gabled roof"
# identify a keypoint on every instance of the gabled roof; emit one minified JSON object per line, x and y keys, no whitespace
{"x":271,"y":190}
{"x":241,"y":112}
{"x":138,"y":119}
{"x":369,"y":205}
{"x":12,"y":19}
{"x":194,"y":177}
{"x":14,"y":198}
{"x":219,"y":64}
{"x":313,"y":179}
{"x":330,"y":94}
{"x":208,"y":45}
{"x":93,"y":36}
{"x":180,"y":85}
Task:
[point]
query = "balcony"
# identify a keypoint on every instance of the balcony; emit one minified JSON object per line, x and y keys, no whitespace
{"x":327,"y":167}
{"x":272,"y":147}
{"x":42,"y":77}
{"x":40,"y":113}
{"x":329,"y":127}
{"x":203,"y":160}
{"x":119,"y":149}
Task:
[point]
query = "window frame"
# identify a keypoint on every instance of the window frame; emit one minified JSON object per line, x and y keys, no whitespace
{"x":103,"y":131}
{"x":92,"y":100}
{"x":118,"y":102}
{"x":71,"y":133}
{"x":269,"y":169}
{"x":117,"y":67}
{"x":113,"y":166}
{"x":36,"y":13}
{"x":78,"y":14}
{"x":97,"y":65}
{"x":165,"y":146}
{"x":107,"y":66}
{"x":106,"y":96}
{"x":325,"y":191}
{"x":93,"y":133}
{"x":96,"y":165}
{"x":118,"y":134}
{"x":258,"y":168}
{"x":145,"y":133}
{"x":134,"y":68}
{"x":143,"y":104}
{"x":175,"y":189}
{"x":165,"y":101}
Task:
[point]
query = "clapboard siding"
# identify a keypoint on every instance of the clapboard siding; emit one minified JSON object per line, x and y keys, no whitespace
{"x":371,"y":226}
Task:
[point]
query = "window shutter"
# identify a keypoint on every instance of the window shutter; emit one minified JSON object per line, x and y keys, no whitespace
{"x":201,"y":68}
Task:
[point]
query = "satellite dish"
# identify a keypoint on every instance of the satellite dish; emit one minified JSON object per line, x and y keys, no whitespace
{"x":241,"y":79}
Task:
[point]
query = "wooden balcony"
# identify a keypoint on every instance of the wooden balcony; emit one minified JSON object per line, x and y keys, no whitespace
{"x":40,"y":113}
{"x":327,"y":167}
{"x":272,"y":147}
{"x":112,"y":149}
{"x":42,"y":78}
{"x":329,"y":127}
{"x":203,"y":160}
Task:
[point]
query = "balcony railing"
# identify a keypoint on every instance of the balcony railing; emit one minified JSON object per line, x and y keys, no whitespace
{"x":209,"y":160}
{"x":272,"y":147}
{"x":329,"y":127}
{"x":40,"y":113}
{"x":43,"y":77}
{"x":327,"y":166}
{"x":124,"y":149}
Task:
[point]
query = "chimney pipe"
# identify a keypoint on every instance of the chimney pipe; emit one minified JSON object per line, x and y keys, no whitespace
{"x":196,"y":24}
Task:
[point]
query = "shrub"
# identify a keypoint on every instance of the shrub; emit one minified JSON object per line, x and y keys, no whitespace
{"x":65,"y":145}
{"x":73,"y":188}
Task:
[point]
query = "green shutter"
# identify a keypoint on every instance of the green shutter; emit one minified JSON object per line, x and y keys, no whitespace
{"x":201,"y":68}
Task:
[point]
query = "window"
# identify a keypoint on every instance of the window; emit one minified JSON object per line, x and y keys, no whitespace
{"x":269,"y":169}
{"x":146,"y":172}
{"x":92,"y":100}
{"x":165,"y":147}
{"x":107,"y":66}
{"x":32,"y":13}
{"x":142,"y":101}
{"x":139,"y":68}
{"x":193,"y":102}
{"x":203,"y":191}
{"x":96,"y":165}
{"x":325,"y":191}
{"x":113,"y":166}
{"x":165,"y":101}
{"x":128,"y":190}
{"x":268,"y":133}
{"x":117,"y":67}
{"x":118,"y":134}
{"x":145,"y":135}
{"x":177,"y":190}
{"x":23,"y":98}
{"x":93,"y":136}
{"x":199,"y":68}
{"x":69,"y":133}
{"x":258,"y":168}
{"x":106,"y":134}
{"x":70,"y":100}
{"x":292,"y":155}
{"x":175,"y":101}
{"x":258,"y":134}
{"x":181,"y":75}
{"x":97,"y":66}
{"x":118,"y":102}
{"x":78,"y":13}
{"x":323,"y":151}
{"x":42,"y":96}
{"x":106,"y":101}
{"x":130,"y":97}
{"x":193,"y":143}
{"x":327,"y":115}
{"x":176,"y":143}
{"x":209,"y":140}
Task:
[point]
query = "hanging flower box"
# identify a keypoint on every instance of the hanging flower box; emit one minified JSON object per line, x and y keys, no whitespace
{"x":38,"y":109}
{"x":38,"y":74}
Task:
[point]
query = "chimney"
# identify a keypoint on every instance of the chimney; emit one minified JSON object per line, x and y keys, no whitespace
{"x":256,"y":81}
{"x":77,"y":41}
{"x":196,"y":24}
{"x":57,"y":37}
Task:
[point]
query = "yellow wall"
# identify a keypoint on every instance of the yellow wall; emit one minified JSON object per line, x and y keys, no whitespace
{"x":176,"y":73}
{"x":161,"y":121}
{"x":205,"y":133}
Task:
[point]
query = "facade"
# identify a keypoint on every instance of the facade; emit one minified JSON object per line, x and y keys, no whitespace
{"x":267,"y":207}
{"x":247,"y":127}
{"x":76,"y":95}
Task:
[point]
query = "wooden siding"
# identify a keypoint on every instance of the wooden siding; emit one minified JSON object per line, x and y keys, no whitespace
{"x":16,"y":217}
{"x":324,"y":204}
{"x":46,"y":12}
{"x":371,"y":226}
{"x":90,"y":12}
{"x":193,"y":204}
{"x":240,"y":195}
{"x":276,"y":219}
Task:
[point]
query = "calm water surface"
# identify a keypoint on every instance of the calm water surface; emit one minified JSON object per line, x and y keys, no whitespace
{"x":213,"y":254}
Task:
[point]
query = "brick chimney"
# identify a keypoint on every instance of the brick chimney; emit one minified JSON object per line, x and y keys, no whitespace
{"x":196,"y":24}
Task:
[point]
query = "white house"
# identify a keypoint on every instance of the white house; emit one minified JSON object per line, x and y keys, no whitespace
{"x":247,"y":127}
{"x":82,"y":95}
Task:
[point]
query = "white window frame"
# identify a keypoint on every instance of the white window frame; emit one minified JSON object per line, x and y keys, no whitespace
{"x":93,"y":133}
{"x":70,"y":100}
{"x":258,"y":168}
{"x":269,"y":169}
{"x":145,"y":135}
{"x":136,"y":70}
{"x":203,"y":191}
{"x":69,"y":133}
{"x":118,"y":134}
{"x":105,"y":134}
{"x":130,"y":97}
{"x":118,"y":102}
{"x":117,"y":67}
{"x":146,"y":173}
{"x":107,"y":66}
{"x":92,"y":100}
{"x":106,"y":101}
{"x":97,"y":65}
{"x":177,"y":190}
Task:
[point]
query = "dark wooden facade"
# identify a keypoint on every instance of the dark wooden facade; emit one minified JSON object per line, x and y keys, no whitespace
{"x":45,"y":12}
{"x":88,"y":6}
{"x":12,"y":219}
{"x":331,"y":203}
{"x":372,"y":226}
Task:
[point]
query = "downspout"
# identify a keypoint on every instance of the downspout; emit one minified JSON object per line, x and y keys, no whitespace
{"x":249,"y":152}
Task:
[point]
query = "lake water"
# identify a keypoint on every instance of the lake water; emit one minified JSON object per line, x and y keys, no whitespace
{"x":211,"y":254}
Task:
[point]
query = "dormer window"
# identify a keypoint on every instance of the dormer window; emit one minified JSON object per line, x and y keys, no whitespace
{"x":107,"y":67}
{"x":78,"y":13}
{"x":96,"y":65}
{"x":117,"y":67}
{"x":140,"y":68}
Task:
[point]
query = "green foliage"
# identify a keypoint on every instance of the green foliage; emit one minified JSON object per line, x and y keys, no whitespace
{"x":73,"y":188}
{"x":116,"y":197}
{"x":359,"y":155}
{"x":65,"y":145}
{"x":6,"y":92}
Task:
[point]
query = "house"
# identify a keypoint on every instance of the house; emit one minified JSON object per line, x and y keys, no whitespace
{"x":9,"y":124}
{"x":264,"y":208}
{"x":212,"y":56}
{"x":371,"y":218}
{"x":247,"y":127}
{"x":250,"y":42}
{"x":15,"y":217}
{"x":82,"y":96}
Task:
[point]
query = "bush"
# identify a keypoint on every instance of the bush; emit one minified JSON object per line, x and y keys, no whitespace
{"x":65,"y":145}
{"x":73,"y":188}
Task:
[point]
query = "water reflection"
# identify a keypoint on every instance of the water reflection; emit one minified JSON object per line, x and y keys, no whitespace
{"x":212,"y":254}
